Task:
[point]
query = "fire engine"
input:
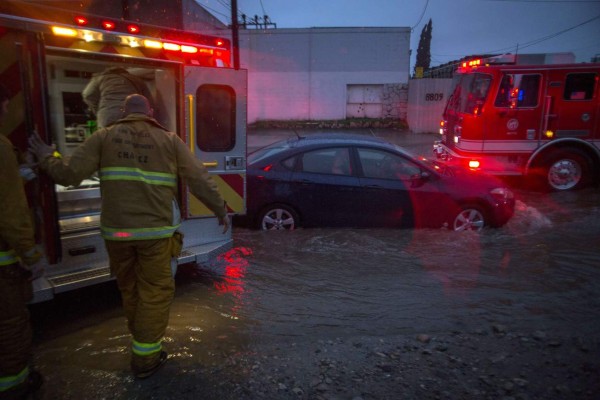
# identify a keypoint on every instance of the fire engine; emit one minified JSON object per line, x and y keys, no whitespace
{"x":49,"y":56}
{"x":537,"y":121}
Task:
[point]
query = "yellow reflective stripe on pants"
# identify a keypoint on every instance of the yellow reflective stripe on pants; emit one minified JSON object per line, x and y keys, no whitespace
{"x":8,"y":257}
{"x":145,"y":349}
{"x":9,"y":382}
{"x":161,"y":232}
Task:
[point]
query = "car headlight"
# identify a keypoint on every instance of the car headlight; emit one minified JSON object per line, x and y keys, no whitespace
{"x":502,"y":194}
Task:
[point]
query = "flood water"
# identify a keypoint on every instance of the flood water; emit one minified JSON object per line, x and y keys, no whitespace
{"x":539,"y":272}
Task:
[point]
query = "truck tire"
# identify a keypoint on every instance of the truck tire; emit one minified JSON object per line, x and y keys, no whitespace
{"x":278,"y":217}
{"x":568,"y":169}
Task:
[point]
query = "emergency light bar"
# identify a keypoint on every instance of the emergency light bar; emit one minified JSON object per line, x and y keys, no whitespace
{"x":90,"y":35}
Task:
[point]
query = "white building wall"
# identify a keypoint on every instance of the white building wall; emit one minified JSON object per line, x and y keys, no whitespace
{"x":304,"y":73}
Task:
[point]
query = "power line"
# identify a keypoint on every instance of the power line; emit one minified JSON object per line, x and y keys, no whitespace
{"x":539,"y":40}
{"x":420,"y":18}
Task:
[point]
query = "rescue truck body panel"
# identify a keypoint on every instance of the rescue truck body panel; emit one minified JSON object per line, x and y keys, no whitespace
{"x":538,"y":121}
{"x":196,"y":94}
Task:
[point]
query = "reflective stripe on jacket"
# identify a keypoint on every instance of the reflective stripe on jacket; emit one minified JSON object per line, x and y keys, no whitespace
{"x":139,"y":162}
{"x":8,"y":257}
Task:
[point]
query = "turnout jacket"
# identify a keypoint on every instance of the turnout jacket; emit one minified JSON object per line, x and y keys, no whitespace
{"x":16,"y":226}
{"x":138,"y":162}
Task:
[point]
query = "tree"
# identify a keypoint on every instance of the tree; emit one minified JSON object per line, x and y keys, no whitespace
{"x":424,"y":50}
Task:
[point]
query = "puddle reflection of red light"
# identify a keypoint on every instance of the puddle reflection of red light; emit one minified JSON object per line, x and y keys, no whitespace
{"x":234,"y":269}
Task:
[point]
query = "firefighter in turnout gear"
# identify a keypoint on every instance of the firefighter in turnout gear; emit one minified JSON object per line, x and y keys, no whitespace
{"x":20,"y":263}
{"x":139,"y":163}
{"x":107,"y":90}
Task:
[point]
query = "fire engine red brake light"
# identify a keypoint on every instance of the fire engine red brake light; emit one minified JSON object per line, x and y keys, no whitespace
{"x":81,"y":21}
{"x":474,"y":164}
{"x":108,"y":25}
{"x":134,"y":29}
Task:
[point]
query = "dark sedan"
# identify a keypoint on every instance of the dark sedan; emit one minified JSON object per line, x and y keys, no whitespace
{"x":348,"y":180}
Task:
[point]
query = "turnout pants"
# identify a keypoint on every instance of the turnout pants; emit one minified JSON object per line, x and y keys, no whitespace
{"x":143,"y":272}
{"x":15,"y":328}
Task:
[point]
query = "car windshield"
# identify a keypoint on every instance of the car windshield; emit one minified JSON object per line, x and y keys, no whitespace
{"x":267,"y":151}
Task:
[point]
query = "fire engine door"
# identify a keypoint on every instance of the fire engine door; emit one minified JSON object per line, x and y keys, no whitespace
{"x":573,"y":103}
{"x":518,"y":109}
{"x":215,"y":118}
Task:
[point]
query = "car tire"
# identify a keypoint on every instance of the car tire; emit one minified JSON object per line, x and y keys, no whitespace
{"x":469,"y":218}
{"x":278,"y":217}
{"x":565,"y":170}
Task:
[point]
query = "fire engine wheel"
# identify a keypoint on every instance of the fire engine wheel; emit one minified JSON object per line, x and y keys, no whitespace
{"x":469,"y":218}
{"x":567,"y":170}
{"x":278,"y":217}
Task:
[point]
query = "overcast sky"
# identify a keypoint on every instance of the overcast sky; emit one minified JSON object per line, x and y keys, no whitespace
{"x":460,"y":27}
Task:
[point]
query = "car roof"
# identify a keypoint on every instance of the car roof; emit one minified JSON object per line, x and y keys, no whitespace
{"x":337,"y":138}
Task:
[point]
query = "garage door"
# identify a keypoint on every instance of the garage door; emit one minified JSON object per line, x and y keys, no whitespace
{"x":364,"y":101}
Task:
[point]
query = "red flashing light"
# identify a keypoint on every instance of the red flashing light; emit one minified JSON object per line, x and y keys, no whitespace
{"x":474,"y":164}
{"x":81,"y":21}
{"x":220,"y":42}
{"x":134,"y":29}
{"x":108,"y":25}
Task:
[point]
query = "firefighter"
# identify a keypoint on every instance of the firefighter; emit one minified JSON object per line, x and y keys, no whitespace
{"x":139,"y":162}
{"x":20,"y":263}
{"x":106,"y":91}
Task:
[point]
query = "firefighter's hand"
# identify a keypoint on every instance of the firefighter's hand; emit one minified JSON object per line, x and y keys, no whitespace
{"x":225,"y":222}
{"x":36,"y":270}
{"x":40,"y":149}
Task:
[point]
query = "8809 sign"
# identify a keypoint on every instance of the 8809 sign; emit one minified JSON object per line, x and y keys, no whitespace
{"x":434,"y":96}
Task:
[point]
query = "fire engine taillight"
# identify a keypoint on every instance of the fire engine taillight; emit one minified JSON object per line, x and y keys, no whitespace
{"x":442,"y":127}
{"x":474,"y":164}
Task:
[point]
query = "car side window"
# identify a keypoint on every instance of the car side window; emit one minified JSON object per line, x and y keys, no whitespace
{"x":384,"y":165}
{"x":327,"y":161}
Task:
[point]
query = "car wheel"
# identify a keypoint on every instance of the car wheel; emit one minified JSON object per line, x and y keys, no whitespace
{"x":278,"y":217}
{"x":469,"y":218}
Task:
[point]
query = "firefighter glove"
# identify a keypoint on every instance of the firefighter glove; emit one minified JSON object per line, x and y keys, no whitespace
{"x":40,"y":149}
{"x":225,"y":222}
{"x":37,"y":270}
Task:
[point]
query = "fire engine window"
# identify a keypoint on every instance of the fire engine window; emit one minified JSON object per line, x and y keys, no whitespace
{"x":215,"y":113}
{"x":580,"y":86}
{"x":518,"y":91}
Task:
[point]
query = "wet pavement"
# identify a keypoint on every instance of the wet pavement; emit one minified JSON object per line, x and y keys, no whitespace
{"x":360,"y":314}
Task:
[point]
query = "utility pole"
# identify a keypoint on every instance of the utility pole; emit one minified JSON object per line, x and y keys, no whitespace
{"x":235,"y":38}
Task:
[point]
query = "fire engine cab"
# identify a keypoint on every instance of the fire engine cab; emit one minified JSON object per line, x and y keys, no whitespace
{"x":48,"y":58}
{"x":538,"y":121}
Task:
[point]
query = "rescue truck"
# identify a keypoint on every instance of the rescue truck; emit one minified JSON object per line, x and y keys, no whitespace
{"x":49,"y":56}
{"x":541,"y":122}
